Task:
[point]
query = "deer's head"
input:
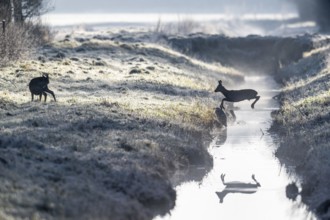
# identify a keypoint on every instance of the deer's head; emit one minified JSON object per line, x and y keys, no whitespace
{"x":219,"y":87}
{"x":45,"y":75}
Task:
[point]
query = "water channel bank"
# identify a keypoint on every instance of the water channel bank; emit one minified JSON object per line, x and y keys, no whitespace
{"x":244,"y":149}
{"x":303,"y":124}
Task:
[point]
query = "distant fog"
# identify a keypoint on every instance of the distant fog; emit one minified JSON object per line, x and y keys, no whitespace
{"x":171,"y":6}
{"x":315,"y":10}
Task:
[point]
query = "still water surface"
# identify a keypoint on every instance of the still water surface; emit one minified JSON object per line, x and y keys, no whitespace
{"x":243,"y":149}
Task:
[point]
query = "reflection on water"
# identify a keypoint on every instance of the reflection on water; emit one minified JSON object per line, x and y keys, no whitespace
{"x":237,"y":187}
{"x":221,"y":138}
{"x":242,"y":149}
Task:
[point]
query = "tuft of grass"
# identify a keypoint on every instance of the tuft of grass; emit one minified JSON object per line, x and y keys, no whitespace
{"x":322,"y":100}
{"x":197,"y":113}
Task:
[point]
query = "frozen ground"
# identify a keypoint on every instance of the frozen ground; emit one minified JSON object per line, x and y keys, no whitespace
{"x":303,"y":123}
{"x":129,"y":115}
{"x":301,"y":64}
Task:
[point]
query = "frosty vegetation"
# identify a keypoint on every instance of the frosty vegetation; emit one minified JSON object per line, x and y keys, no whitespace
{"x":304,"y":122}
{"x":129,"y":115}
{"x":301,"y":65}
{"x":21,"y":32}
{"x":134,"y":109}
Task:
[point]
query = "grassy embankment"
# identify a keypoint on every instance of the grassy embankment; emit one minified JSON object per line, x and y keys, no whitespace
{"x":301,"y":64}
{"x":128,"y":117}
{"x":303,"y":123}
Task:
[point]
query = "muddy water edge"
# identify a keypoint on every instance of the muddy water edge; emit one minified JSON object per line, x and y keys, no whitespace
{"x":255,"y":182}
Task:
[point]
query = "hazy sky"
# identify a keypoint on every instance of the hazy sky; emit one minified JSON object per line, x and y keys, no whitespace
{"x":161,"y":6}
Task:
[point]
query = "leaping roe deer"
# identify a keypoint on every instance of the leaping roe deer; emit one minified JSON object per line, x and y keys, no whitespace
{"x":237,"y":95}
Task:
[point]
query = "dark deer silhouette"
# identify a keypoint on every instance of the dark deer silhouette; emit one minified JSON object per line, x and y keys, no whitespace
{"x":292,"y":191}
{"x":221,"y":116}
{"x":221,"y":138}
{"x":237,"y":187}
{"x":237,"y":95}
{"x":39,"y":86}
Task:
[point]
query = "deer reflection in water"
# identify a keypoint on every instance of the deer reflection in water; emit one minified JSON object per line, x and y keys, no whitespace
{"x":221,"y":138}
{"x":223,"y":118}
{"x":237,"y":187}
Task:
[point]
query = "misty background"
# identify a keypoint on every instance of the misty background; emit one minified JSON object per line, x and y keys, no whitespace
{"x":171,"y":6}
{"x":299,"y":10}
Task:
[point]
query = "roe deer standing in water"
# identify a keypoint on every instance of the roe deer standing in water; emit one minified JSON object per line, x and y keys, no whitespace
{"x":237,"y":95}
{"x":39,"y":86}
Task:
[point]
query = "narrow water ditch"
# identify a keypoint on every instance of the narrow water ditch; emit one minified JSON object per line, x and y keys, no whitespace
{"x":243,"y":149}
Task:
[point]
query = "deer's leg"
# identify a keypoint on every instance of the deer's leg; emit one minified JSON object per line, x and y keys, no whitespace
{"x":221,"y":195}
{"x":257,"y":98}
{"x":31,"y":97}
{"x":223,"y":178}
{"x":255,"y":180}
{"x":45,"y":95}
{"x":51,"y":92}
{"x":221,"y":106}
{"x":233,"y":114}
{"x":40,"y":96}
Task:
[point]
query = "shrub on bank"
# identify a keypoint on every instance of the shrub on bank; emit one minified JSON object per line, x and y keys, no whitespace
{"x":18,"y":41}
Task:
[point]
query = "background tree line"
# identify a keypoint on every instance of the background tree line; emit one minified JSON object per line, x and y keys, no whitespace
{"x":22,"y":10}
{"x":23,"y":31}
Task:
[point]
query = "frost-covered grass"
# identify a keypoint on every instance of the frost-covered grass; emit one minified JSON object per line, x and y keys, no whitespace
{"x":129,"y":115}
{"x":304,"y":123}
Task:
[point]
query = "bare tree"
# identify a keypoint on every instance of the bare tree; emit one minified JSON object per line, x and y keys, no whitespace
{"x":19,"y":36}
{"x":18,"y":12}
{"x":22,"y":10}
{"x":34,"y":8}
{"x":5,"y":10}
